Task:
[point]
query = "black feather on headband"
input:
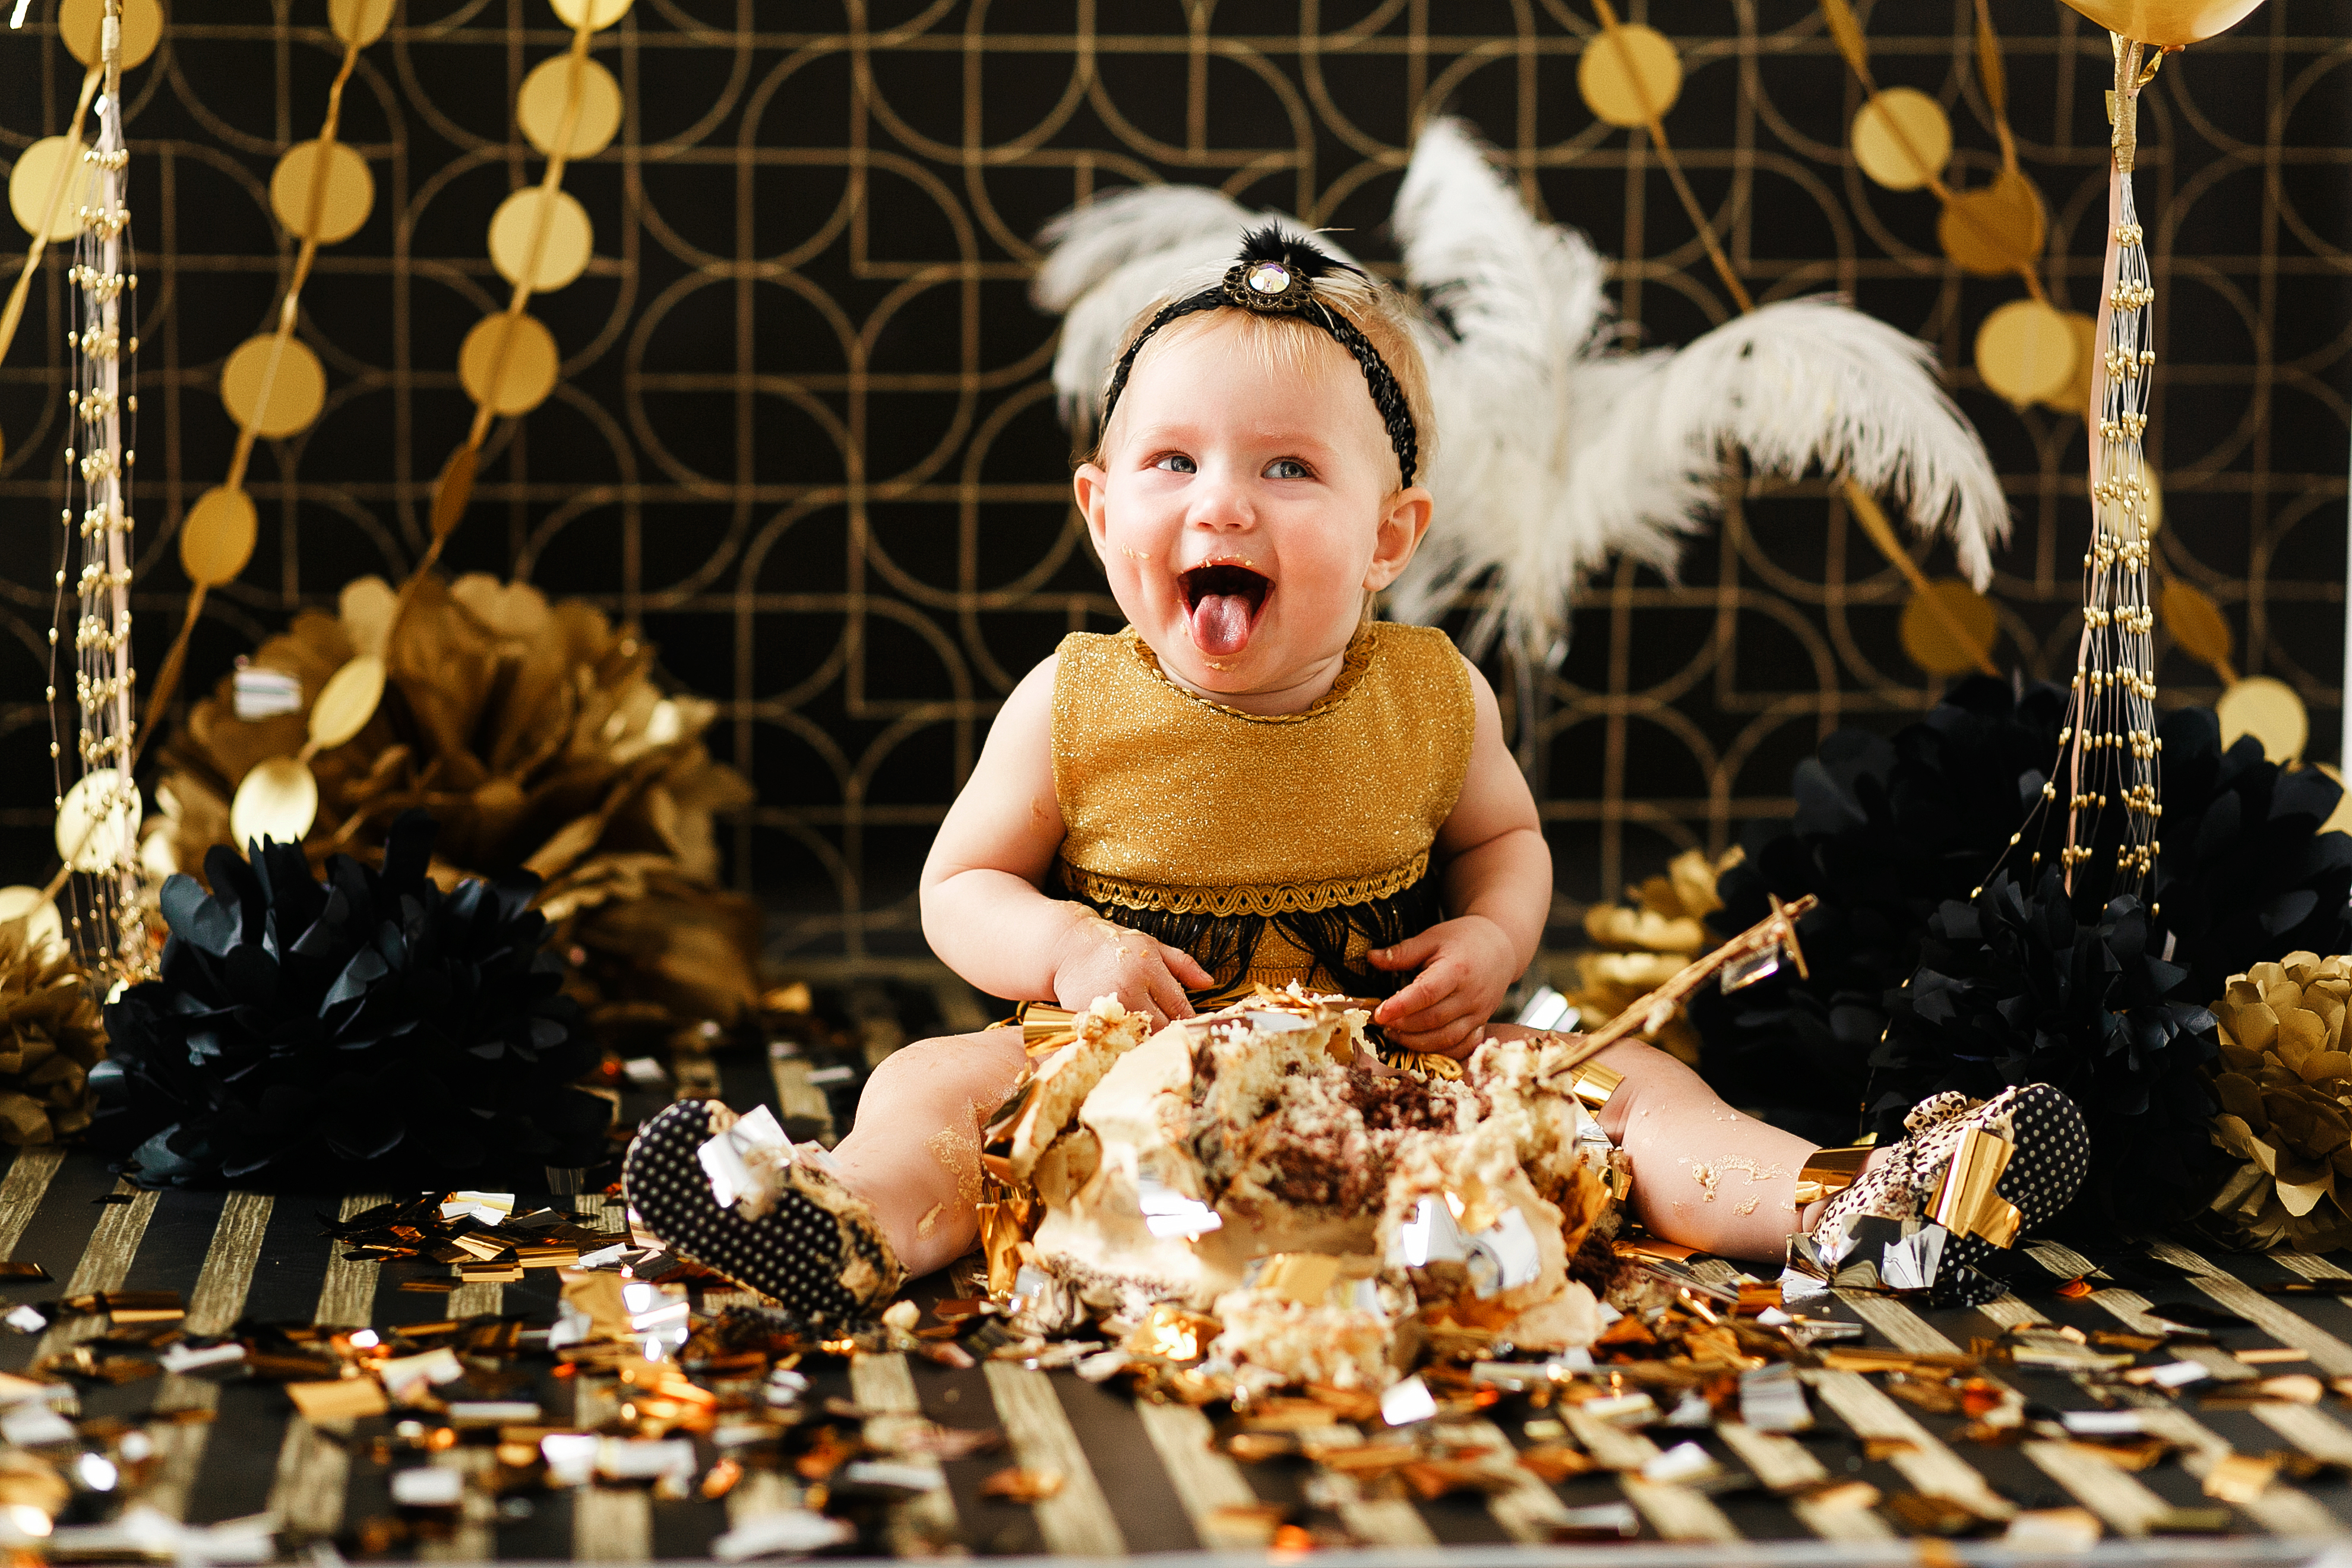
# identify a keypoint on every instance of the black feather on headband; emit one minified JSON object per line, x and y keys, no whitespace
{"x":1295,"y":252}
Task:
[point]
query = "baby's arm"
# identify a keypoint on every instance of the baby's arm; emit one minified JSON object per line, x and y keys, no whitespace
{"x":983,"y":909}
{"x":1497,"y":894}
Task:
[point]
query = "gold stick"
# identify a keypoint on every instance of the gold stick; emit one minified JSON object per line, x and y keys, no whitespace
{"x":1778,"y":929}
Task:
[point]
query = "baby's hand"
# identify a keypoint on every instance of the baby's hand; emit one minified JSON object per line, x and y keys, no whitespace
{"x":1099,"y":957}
{"x":1466,"y":966}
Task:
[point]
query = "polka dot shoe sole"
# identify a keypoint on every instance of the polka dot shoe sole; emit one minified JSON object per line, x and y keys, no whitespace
{"x":2051,"y":1153}
{"x":818,"y":1251}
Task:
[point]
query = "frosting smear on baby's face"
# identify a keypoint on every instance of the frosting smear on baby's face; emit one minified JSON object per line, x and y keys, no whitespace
{"x":1244,"y":504}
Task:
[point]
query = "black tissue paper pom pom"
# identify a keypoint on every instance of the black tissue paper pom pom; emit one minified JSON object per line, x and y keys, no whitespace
{"x":2245,"y":876}
{"x":2014,"y":988}
{"x":364,"y":1031}
{"x":1886,"y":830}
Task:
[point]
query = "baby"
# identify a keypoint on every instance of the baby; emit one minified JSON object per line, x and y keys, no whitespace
{"x":1255,"y":782}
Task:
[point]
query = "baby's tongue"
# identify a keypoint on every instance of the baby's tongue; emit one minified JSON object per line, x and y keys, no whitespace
{"x":1221,"y":623}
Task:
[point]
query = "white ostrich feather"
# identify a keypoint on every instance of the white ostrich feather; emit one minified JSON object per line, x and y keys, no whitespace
{"x":1559,"y":451}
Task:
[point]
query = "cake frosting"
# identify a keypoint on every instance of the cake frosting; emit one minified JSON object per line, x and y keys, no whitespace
{"x":1261,"y":1165}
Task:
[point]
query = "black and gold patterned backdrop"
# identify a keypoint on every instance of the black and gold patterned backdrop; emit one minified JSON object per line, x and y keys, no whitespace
{"x":804,"y":435}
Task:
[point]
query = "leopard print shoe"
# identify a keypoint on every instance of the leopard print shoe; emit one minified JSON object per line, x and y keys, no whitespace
{"x":2050,"y":1152}
{"x":818,"y":1251}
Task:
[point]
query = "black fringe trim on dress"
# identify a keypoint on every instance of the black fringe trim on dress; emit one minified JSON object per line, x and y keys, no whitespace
{"x":1223,"y":945}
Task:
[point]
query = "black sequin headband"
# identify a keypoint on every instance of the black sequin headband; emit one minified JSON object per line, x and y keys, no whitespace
{"x":1275,"y":277}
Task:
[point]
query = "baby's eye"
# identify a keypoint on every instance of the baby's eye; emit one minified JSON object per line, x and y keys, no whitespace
{"x":1177,"y":463}
{"x":1287,"y":469}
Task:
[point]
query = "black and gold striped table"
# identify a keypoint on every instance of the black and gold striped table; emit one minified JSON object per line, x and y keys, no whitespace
{"x":1144,"y":1479}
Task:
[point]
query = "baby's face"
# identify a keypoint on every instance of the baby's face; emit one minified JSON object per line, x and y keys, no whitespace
{"x":1243,"y":510}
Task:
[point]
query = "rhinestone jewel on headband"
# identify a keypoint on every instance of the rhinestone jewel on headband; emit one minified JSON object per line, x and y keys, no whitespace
{"x":1266,"y":286}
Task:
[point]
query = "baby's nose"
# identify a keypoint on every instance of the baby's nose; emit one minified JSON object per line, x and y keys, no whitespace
{"x":1222,"y":509}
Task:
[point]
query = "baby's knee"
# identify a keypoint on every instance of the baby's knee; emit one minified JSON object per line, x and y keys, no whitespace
{"x":1652,"y":1079}
{"x":951,"y":1068}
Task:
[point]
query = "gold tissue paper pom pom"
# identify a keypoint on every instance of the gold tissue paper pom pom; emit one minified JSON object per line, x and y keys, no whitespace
{"x":2284,"y":1082}
{"x":534,"y":732}
{"x":1645,"y":941}
{"x":51,"y":1035}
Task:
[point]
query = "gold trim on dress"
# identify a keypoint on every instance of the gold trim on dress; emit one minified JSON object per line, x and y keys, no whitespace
{"x":1295,"y":898}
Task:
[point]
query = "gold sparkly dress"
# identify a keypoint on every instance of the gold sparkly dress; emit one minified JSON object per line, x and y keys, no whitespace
{"x":1271,"y":848}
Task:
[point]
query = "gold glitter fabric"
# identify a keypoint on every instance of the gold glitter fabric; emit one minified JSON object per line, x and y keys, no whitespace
{"x":1173,"y":803}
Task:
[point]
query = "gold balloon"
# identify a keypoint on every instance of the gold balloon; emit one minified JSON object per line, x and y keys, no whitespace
{"x":1928,"y":637}
{"x":346,"y":702}
{"x":216,"y":540}
{"x":2270,"y":711}
{"x":563,"y":254}
{"x":80,"y":25}
{"x":296,"y":395}
{"x":1629,"y":73}
{"x":529,"y":373}
{"x":539,"y":107}
{"x":97,"y":826}
{"x":2166,"y":24}
{"x":35,"y":172}
{"x":277,"y":800}
{"x":1901,"y":139}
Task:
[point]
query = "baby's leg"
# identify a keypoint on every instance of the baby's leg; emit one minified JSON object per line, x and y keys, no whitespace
{"x":1704,"y":1175}
{"x":914,"y":1153}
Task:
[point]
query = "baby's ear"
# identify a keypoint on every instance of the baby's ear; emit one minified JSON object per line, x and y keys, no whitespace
{"x":1400,"y":528}
{"x":1090,"y":485}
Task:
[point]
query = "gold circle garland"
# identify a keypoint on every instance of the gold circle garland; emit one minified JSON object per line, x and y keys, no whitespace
{"x":2025,"y":352}
{"x":563,"y":244}
{"x":341,"y":209}
{"x":2269,"y":710}
{"x":50,"y":164}
{"x":217,"y":537}
{"x":273,"y":387}
{"x":1901,"y":138}
{"x":80,"y":21}
{"x":1629,"y":74}
{"x":509,"y":363}
{"x":1955,"y":640}
{"x":1987,"y":233}
{"x":357,"y":24}
{"x":539,"y":107}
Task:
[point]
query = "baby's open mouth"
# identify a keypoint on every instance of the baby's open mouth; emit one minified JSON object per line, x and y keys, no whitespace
{"x":1224,"y":601}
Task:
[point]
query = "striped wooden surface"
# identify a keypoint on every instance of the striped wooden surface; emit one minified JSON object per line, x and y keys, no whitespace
{"x":1145,"y":1479}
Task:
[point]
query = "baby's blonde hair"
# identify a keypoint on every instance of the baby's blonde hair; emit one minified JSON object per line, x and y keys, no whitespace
{"x":1286,"y":342}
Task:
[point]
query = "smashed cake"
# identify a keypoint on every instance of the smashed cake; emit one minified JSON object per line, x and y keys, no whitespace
{"x":1262,"y":1164}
